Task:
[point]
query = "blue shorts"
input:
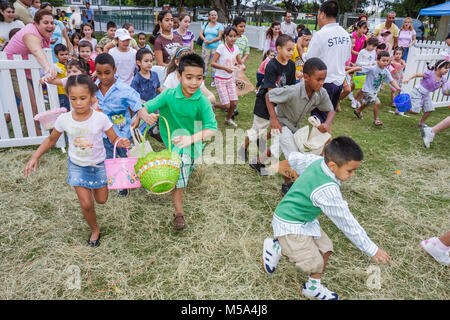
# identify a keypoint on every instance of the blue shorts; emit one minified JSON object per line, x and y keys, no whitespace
{"x":64,"y":101}
{"x":91,"y":177}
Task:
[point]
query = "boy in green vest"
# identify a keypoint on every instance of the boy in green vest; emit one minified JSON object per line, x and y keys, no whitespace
{"x":297,"y":231}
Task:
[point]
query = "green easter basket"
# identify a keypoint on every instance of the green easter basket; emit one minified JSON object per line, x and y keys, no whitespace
{"x":359,"y":81}
{"x":159,"y":171}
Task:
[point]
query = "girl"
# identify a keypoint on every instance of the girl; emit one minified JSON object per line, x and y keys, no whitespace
{"x":84,"y":127}
{"x":87,"y":32}
{"x":141,"y":43}
{"x":129,"y":27}
{"x":183,"y":30}
{"x":224,"y":60}
{"x":360,"y":39}
{"x":270,"y":54}
{"x":385,"y":37}
{"x":432,"y":79}
{"x":165,"y":43}
{"x":406,"y":37}
{"x":75,"y":40}
{"x":172,"y":81}
{"x":396,"y":68}
{"x":271,"y":37}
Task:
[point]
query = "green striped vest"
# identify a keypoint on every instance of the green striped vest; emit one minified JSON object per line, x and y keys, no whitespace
{"x":296,"y":206}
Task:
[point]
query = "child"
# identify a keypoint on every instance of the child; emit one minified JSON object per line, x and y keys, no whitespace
{"x":86,"y":32}
{"x":297,"y":232}
{"x":124,"y":56}
{"x":433,"y":79}
{"x":269,"y":55}
{"x":75,"y":40}
{"x":85,"y":50}
{"x":172,"y":104}
{"x":376,"y":75}
{"x":145,"y":82}
{"x":385,"y":37}
{"x":279,"y":72}
{"x":117,"y":100}
{"x":272,"y":35}
{"x":129,"y":27}
{"x":380,"y":47}
{"x":428,"y":133}
{"x":438,"y":248}
{"x":111,"y":28}
{"x":304,"y":38}
{"x":396,"y":68}
{"x":224,"y":61}
{"x":242,"y":41}
{"x":62,"y":54}
{"x":141,"y":43}
{"x":172,"y":80}
{"x":183,"y":30}
{"x":85,"y":128}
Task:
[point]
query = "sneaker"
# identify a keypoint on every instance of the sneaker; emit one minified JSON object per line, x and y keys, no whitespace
{"x":213,"y":84}
{"x":123,"y":192}
{"x":427,"y":135}
{"x":230,"y":122}
{"x":260,"y":168}
{"x":271,"y":255}
{"x":437,"y":250}
{"x":355,"y":104}
{"x":242,"y":154}
{"x":319,"y":291}
{"x":285,"y":188}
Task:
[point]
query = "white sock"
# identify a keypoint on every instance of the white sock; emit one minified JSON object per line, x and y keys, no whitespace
{"x":350,"y":96}
{"x":312,"y":282}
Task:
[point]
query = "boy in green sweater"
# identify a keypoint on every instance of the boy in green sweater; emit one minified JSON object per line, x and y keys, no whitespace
{"x":191,"y":120}
{"x":297,"y":231}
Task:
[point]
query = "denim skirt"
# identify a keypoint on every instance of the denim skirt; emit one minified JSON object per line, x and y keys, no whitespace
{"x":91,"y":177}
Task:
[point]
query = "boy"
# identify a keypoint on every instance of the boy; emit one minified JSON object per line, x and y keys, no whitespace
{"x":297,"y":231}
{"x":85,"y":51}
{"x":375,"y":77}
{"x":117,"y":100}
{"x":141,"y":43}
{"x":111,"y":28}
{"x":279,"y":72}
{"x":146,"y":82}
{"x":124,"y":56}
{"x":184,"y":107}
{"x":62,"y":54}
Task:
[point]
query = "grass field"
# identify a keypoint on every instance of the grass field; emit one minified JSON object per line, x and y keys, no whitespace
{"x":228,"y":211}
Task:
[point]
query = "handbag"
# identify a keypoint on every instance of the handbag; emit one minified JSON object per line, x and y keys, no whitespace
{"x":200,"y":40}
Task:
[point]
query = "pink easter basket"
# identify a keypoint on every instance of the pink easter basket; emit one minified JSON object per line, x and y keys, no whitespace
{"x":48,"y":118}
{"x":120,"y":172}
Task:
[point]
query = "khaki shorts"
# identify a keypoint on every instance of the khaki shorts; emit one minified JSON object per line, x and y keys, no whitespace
{"x":258,"y":129}
{"x":305,"y":251}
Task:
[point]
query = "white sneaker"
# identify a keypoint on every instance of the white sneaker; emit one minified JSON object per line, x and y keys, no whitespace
{"x":213,"y":84}
{"x":271,"y":255}
{"x":230,"y":122}
{"x":427,"y":135}
{"x":319,"y":291}
{"x":432,"y":247}
{"x":355,"y":104}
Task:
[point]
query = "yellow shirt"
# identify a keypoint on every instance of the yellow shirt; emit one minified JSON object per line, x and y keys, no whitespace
{"x":393,"y":29}
{"x":62,"y":73}
{"x":297,"y":59}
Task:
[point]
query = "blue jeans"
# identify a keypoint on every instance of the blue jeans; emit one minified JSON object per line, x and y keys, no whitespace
{"x":64,"y":101}
{"x":109,"y":147}
{"x":405,"y":54}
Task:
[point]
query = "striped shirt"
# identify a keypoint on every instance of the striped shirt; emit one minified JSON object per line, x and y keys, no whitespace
{"x":329,"y":199}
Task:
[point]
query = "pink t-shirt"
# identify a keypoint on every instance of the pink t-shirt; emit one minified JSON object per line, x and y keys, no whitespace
{"x":405,"y":37}
{"x":263,"y":65}
{"x":17,"y":46}
{"x":359,"y":44}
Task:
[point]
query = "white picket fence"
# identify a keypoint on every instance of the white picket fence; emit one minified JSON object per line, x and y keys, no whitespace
{"x":15,"y":136}
{"x":419,"y":55}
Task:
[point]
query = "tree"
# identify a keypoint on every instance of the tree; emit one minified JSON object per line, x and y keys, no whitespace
{"x":221,"y":6}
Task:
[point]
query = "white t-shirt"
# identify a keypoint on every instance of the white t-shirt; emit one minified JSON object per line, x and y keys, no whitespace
{"x":125,"y":63}
{"x":93,"y":41}
{"x":366,"y":58}
{"x":289,"y":29}
{"x":172,"y":81}
{"x":333,"y":46}
{"x":5,"y":28}
{"x":75,"y":20}
{"x":85,"y":138}
{"x":227,"y":59}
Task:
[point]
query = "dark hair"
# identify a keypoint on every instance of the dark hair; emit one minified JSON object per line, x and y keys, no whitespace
{"x":342,"y":150}
{"x":313,"y":64}
{"x":12,"y":32}
{"x":448,"y":36}
{"x":59,"y":47}
{"x":40,"y":14}
{"x":266,"y":54}
{"x":85,"y":44}
{"x":105,"y":58}
{"x":111,"y":24}
{"x":3,"y":6}
{"x":300,"y":27}
{"x":282,"y":40}
{"x":72,"y":37}
{"x":227,"y":31}
{"x":81,"y":64}
{"x":84,"y":25}
{"x":361,"y":24}
{"x":398,"y":49}
{"x":238,"y":20}
{"x":269,"y":32}
{"x":141,"y":52}
{"x":157,"y":27}
{"x":439,"y":64}
{"x":286,"y":12}
{"x":190,"y":60}
{"x":45,"y":4}
{"x":330,"y":8}
{"x":142,"y":34}
{"x":81,"y":79}
{"x":372,"y":41}
{"x":382,"y":54}
{"x":305,"y":32}
{"x":127,"y":25}
{"x":381,"y":46}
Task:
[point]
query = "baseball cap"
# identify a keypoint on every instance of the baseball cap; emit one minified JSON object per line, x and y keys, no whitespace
{"x":122,"y":34}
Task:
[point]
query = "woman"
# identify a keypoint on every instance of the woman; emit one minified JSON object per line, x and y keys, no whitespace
{"x":271,"y":37}
{"x":211,"y":34}
{"x":183,"y":30}
{"x":360,"y":38}
{"x":59,"y":33}
{"x":406,"y":37}
{"x":7,"y":22}
{"x":166,"y":42}
{"x":32,"y":39}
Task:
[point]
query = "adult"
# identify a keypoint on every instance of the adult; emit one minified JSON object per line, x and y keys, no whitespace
{"x":90,"y":14}
{"x":35,"y":6}
{"x":32,"y":39}
{"x":166,"y":43}
{"x":362,"y":17}
{"x":360,"y":38}
{"x":333,"y":46}
{"x":7,"y":22}
{"x":183,"y":30}
{"x":406,"y":37}
{"x":390,"y":26}
{"x":271,"y":37}
{"x":59,"y":33}
{"x":211,"y":34}
{"x":75,"y":20}
{"x":288,"y":27}
{"x":23,"y":11}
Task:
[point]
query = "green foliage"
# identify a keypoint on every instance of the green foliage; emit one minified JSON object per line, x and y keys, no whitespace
{"x":57,"y":3}
{"x":410,"y":8}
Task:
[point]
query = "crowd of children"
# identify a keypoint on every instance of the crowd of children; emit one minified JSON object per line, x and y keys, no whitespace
{"x":109,"y":87}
